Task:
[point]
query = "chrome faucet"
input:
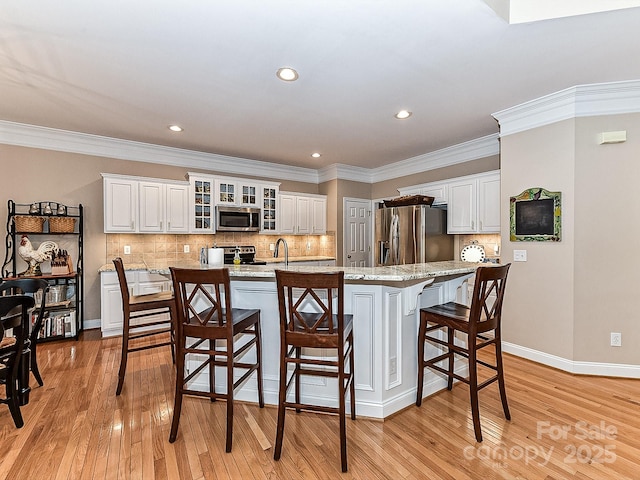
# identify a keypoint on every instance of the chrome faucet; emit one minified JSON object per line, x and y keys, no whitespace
{"x":286,"y":251}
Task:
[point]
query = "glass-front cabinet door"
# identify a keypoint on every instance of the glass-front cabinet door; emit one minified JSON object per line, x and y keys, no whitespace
{"x":249,"y":195}
{"x":269,"y":208}
{"x":202,"y":209}
{"x":226,"y":192}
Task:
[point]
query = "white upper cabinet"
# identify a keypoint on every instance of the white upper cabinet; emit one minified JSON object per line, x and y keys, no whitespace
{"x":287,"y":213}
{"x":270,"y":218}
{"x":438,"y":190}
{"x":226,"y":192}
{"x":201,"y":209}
{"x":249,"y":194}
{"x":140,"y":205}
{"x":237,"y":192}
{"x":473,"y":201}
{"x":474,"y":204}
{"x":319,"y":215}
{"x":303,"y":214}
{"x":489,"y":204}
{"x":120,"y":204}
{"x":151,"y":207}
{"x":462,"y":215}
{"x":177,"y":208}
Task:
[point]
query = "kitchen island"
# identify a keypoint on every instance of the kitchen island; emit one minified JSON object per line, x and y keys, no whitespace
{"x":384,"y":302}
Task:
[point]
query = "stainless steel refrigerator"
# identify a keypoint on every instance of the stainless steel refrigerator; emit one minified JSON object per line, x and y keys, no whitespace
{"x":412,"y":234}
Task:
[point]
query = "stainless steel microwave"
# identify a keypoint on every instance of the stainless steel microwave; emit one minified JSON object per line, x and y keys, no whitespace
{"x":237,"y":219}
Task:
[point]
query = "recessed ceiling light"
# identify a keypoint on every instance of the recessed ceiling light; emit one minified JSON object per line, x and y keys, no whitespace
{"x":287,"y":74}
{"x":402,"y":114}
{"x":316,"y":155}
{"x":175,"y":128}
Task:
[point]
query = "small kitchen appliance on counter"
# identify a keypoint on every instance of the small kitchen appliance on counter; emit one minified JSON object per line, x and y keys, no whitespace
{"x":247,"y":254}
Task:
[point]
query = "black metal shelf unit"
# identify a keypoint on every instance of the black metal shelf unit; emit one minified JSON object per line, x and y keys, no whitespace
{"x":65,"y":303}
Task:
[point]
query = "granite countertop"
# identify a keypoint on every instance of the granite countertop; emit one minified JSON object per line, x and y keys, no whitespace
{"x":280,"y":259}
{"x":398,"y":273}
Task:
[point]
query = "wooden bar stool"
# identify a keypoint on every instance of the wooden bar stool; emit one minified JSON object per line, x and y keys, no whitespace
{"x":308,"y":320}
{"x":205,"y":315}
{"x":150,"y":308}
{"x":477,"y":322}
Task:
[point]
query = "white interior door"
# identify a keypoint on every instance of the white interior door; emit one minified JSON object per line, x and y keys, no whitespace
{"x":357,"y":232}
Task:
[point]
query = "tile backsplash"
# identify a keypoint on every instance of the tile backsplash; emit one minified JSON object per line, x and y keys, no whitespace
{"x":165,"y":247}
{"x":488,"y":241}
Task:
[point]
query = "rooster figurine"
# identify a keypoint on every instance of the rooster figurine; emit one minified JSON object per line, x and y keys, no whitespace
{"x":35,"y":257}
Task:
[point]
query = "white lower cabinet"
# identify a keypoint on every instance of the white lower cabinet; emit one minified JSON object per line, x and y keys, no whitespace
{"x":139,"y":282}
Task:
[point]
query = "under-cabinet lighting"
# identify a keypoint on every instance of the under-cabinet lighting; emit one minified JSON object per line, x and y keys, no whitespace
{"x":175,"y":128}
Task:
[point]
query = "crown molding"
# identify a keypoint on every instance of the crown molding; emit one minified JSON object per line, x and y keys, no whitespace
{"x":579,"y":101}
{"x":463,"y":152}
{"x":86,"y":144}
{"x":74,"y":142}
{"x":338,"y":171}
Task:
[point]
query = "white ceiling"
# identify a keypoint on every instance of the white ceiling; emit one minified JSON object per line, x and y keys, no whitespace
{"x":127,"y":69}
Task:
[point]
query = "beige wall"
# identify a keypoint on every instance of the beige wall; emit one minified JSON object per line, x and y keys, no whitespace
{"x":389,"y":188}
{"x":607,"y":227}
{"x":568,"y":297}
{"x":538,"y":307}
{"x":31,"y":174}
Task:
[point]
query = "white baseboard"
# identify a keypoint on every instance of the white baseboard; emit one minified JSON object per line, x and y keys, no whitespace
{"x":571,"y":366}
{"x":89,"y":324}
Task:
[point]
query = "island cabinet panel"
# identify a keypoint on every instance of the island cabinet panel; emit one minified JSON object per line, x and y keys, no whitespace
{"x":384,"y":302}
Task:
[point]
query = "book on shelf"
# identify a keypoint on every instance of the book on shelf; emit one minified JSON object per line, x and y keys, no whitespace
{"x":58,"y":324}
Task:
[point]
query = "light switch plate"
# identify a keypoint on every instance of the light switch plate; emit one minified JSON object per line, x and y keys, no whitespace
{"x":519,"y":255}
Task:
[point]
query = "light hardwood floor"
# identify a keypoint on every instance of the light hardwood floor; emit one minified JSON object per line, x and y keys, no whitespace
{"x":562,"y":427}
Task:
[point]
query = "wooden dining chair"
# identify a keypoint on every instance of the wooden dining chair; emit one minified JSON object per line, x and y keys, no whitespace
{"x":30,"y":286}
{"x":12,"y":348}
{"x":144,"y":316}
{"x":207,"y":324}
{"x":308,"y":319}
{"x":481,"y":324}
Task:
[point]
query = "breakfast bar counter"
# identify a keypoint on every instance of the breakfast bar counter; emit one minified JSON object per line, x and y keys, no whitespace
{"x":383,"y":300}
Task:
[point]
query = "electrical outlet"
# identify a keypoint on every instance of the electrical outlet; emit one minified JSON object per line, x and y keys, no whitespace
{"x":393,"y":366}
{"x":616,"y":339}
{"x":272,"y":246}
{"x":185,"y":248}
{"x":127,"y":249}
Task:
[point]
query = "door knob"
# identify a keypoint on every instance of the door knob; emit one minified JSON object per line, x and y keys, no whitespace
{"x":348,"y":256}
